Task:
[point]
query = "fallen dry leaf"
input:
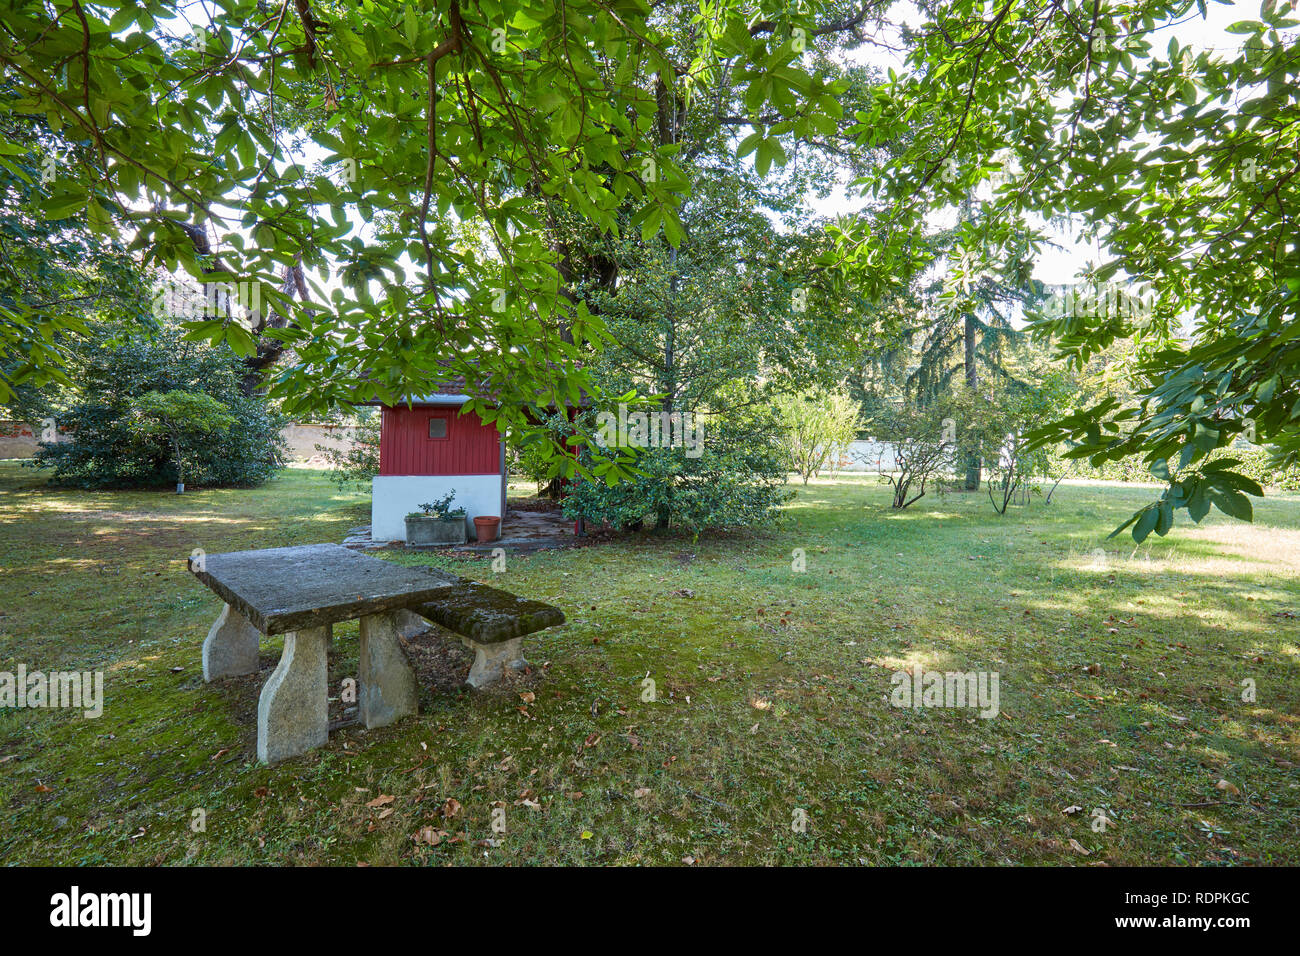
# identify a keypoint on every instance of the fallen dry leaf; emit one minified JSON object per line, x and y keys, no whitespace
{"x":381,"y":800}
{"x":429,"y":836}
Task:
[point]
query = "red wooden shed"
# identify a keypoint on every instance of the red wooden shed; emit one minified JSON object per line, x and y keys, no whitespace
{"x":429,"y":448}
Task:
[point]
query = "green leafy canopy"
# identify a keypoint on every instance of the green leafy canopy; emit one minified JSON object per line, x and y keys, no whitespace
{"x":1183,"y":164}
{"x":449,"y":136}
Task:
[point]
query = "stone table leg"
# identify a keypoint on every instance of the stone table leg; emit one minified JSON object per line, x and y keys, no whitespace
{"x":231,"y":646}
{"x":293,"y":711}
{"x":491,"y":660}
{"x":388,"y":685}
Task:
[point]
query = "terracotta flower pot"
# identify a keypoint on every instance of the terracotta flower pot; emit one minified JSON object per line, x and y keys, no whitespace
{"x":486,"y":527}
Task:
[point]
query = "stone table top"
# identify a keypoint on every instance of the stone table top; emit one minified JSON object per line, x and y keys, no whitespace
{"x":290,"y":589}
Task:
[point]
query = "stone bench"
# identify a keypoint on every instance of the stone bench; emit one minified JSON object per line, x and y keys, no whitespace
{"x":490,"y":622}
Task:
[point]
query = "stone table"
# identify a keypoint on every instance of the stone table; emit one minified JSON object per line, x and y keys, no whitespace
{"x":301,"y":592}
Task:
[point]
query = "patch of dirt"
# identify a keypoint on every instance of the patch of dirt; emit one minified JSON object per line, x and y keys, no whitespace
{"x":240,"y":695}
{"x":532,"y":504}
{"x":440,"y":660}
{"x":442,"y":663}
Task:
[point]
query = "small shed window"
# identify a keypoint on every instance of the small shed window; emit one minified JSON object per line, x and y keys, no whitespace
{"x":437,"y":426}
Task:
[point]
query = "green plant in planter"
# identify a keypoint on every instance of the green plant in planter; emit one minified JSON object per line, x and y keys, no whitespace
{"x":436,"y":523}
{"x":441,"y":508}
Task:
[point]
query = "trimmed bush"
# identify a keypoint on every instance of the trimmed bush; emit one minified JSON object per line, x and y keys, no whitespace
{"x":738,"y":481}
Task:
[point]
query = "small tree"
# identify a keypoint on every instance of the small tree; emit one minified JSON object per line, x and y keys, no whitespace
{"x":180,"y":416}
{"x":1008,"y":471}
{"x":817,"y":427}
{"x":1000,"y":430}
{"x":358,"y":460}
{"x":924,"y":439}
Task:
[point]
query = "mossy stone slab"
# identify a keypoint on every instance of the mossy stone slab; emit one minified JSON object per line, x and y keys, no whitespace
{"x":487,"y":615}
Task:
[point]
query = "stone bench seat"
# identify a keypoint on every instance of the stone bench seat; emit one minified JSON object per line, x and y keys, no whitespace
{"x":490,"y":622}
{"x":489,"y":615}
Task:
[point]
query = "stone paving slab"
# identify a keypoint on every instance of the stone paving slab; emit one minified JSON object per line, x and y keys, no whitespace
{"x":523,"y":532}
{"x":289,"y":589}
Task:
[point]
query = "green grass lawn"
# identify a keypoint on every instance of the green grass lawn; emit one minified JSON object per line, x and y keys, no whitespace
{"x":1121,"y":676}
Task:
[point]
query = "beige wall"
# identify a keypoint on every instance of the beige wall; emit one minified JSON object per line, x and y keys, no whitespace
{"x":302,"y":439}
{"x":18,"y":439}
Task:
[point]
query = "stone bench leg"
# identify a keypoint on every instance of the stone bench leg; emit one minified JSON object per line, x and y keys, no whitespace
{"x":231,"y":646}
{"x":409,"y":624}
{"x":388,"y":690}
{"x":491,"y":660}
{"x":293,"y":711}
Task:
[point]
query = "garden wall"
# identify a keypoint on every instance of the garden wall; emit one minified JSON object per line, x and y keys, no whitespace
{"x":19,"y":439}
{"x":303,"y":437}
{"x":868,"y":455}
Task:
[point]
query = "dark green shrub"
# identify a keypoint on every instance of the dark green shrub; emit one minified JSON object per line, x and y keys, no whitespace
{"x":104,"y":449}
{"x":738,"y":481}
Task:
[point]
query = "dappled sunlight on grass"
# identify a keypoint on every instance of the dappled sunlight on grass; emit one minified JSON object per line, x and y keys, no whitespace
{"x":1121,"y":677}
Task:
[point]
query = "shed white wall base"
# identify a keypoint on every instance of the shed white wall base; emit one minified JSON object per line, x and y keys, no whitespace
{"x":393,"y":497}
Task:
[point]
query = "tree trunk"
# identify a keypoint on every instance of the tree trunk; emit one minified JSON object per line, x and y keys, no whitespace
{"x":180,"y":464}
{"x":973,"y":469}
{"x":270,"y":351}
{"x":667,"y":117}
{"x":670,"y":344}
